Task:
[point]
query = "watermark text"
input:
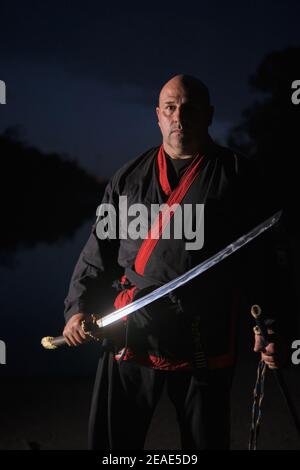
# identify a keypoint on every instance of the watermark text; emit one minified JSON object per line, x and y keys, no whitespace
{"x":2,"y":92}
{"x":296,"y":94}
{"x":2,"y":352}
{"x":296,"y":354}
{"x":137,"y":221}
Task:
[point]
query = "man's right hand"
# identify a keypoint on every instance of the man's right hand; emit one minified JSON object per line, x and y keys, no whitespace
{"x":73,"y":331}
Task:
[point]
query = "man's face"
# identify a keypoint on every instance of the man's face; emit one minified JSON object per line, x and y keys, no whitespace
{"x":182,"y":118}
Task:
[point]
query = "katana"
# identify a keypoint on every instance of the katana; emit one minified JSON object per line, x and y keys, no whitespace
{"x":52,"y":343}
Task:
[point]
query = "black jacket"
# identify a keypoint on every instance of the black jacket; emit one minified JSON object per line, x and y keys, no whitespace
{"x":235,"y":201}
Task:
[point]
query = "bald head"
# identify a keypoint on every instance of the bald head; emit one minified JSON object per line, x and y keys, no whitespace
{"x":184,"y":114}
{"x":193,"y":88}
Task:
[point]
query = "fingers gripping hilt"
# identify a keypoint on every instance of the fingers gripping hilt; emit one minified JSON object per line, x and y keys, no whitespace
{"x":90,"y":328}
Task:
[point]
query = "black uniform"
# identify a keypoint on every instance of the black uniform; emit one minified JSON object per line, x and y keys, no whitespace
{"x":201,"y":315}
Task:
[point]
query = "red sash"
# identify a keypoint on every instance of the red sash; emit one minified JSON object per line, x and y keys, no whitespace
{"x":126,"y":296}
{"x":174,"y":197}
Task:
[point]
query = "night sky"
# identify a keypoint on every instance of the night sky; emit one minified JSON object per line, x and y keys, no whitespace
{"x":83,"y":77}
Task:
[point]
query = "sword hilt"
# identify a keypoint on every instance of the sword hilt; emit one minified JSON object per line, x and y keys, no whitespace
{"x":256,"y":312}
{"x":88,"y":327}
{"x":51,"y":342}
{"x":262,"y":329}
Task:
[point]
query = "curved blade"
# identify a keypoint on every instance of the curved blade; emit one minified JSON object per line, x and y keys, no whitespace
{"x":191,"y":274}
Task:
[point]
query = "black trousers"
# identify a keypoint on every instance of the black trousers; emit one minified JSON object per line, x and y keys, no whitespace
{"x":202,"y":407}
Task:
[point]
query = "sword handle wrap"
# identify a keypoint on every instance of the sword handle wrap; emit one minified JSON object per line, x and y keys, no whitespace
{"x":50,"y":342}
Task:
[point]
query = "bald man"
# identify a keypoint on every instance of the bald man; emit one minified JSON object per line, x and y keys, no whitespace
{"x":186,"y":341}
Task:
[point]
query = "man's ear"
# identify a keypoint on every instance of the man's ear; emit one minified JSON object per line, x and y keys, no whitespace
{"x":158,"y":114}
{"x":210,"y":116}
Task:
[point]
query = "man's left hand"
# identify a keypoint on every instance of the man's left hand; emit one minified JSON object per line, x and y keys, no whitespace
{"x":274,"y":354}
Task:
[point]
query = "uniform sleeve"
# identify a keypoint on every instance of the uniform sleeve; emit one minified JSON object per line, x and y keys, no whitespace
{"x":88,"y":288}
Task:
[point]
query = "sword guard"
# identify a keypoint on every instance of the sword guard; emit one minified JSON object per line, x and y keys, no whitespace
{"x":91,"y":329}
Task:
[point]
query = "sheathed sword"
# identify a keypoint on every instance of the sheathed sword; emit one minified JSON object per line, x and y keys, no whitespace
{"x":258,"y":393}
{"x":50,"y":342}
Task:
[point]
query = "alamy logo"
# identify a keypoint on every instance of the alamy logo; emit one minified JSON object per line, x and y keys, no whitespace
{"x":137,"y":221}
{"x":2,"y":92}
{"x":2,"y":352}
{"x":296,"y":354}
{"x":296,"y":94}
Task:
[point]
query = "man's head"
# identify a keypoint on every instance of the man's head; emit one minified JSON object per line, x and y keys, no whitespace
{"x":184,"y":114}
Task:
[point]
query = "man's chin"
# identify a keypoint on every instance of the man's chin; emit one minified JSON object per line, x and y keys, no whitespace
{"x":178,"y":140}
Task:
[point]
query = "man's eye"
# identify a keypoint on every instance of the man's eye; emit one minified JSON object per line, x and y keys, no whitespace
{"x":170,"y":107}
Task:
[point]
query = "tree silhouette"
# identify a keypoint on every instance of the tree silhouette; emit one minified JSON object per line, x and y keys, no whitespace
{"x":269,"y":130}
{"x":44,"y":197}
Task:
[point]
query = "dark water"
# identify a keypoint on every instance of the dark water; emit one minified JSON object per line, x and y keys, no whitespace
{"x":32,"y":293}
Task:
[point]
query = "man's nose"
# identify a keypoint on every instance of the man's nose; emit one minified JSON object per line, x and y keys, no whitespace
{"x":178,"y":115}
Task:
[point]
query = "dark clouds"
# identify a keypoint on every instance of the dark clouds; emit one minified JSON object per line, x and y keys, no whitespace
{"x":142,"y":44}
{"x":130,"y":48}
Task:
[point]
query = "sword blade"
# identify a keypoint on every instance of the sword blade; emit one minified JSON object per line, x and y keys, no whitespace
{"x":189,"y":275}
